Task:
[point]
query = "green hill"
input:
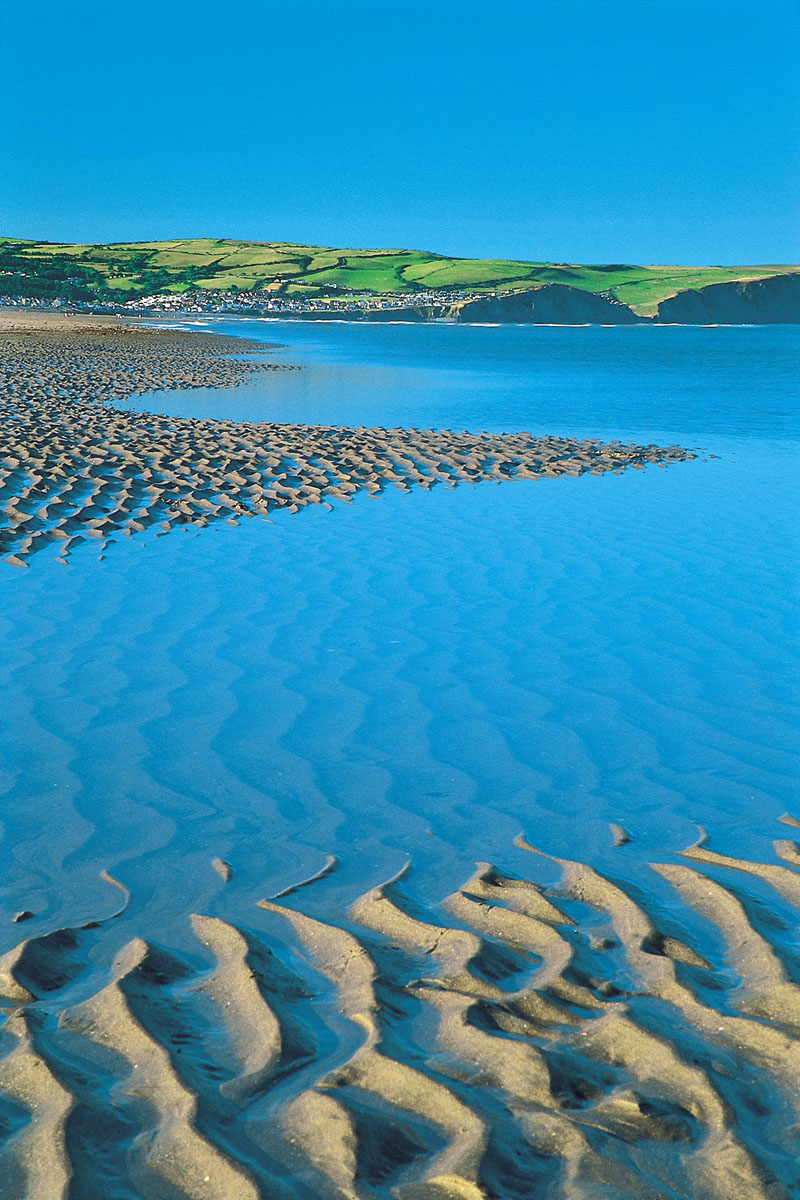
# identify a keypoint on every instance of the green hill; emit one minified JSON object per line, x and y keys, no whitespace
{"x":122,"y":271}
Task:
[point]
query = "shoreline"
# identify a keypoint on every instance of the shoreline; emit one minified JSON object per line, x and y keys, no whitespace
{"x":257,"y":945}
{"x":143,"y":319}
{"x":76,"y":464}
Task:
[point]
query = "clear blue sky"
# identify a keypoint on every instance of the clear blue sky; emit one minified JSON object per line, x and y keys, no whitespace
{"x":658,"y":131}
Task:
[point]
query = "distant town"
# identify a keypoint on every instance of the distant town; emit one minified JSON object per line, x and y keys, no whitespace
{"x":258,"y":303}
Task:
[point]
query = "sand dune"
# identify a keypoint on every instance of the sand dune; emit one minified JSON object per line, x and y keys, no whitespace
{"x":514,"y":1041}
{"x":76,"y":466}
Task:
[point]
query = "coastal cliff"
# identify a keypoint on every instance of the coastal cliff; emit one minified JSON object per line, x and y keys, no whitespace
{"x":771,"y":301}
{"x":554,"y":304}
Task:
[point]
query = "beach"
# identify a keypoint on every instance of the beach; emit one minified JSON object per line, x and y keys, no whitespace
{"x":426,"y":849}
{"x":77,"y":467}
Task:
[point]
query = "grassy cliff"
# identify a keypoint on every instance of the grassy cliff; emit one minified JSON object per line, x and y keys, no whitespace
{"x":125,"y":270}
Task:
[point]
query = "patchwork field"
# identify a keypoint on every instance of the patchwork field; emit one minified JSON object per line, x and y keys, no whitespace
{"x":122,"y":271}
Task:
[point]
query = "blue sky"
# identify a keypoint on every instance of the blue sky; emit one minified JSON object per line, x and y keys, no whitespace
{"x":574,"y":130}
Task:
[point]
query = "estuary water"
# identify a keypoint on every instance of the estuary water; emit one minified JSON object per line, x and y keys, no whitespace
{"x":433,"y":673}
{"x":603,"y":667}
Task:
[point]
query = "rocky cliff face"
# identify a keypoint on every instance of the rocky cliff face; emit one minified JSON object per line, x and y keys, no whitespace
{"x":555,"y":304}
{"x":773,"y":301}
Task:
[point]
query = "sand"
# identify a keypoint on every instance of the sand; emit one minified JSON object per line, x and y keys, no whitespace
{"x":577,"y":1039}
{"x":76,"y":465}
{"x":514,"y":1041}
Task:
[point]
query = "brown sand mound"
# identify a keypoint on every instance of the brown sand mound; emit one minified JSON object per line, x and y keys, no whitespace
{"x":515,"y":1042}
{"x":73,"y":466}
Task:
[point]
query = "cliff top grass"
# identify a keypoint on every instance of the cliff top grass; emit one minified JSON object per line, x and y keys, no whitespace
{"x":124,"y":270}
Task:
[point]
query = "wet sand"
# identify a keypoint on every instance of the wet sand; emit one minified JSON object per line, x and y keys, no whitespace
{"x":517,"y":1040}
{"x":581,"y":1038}
{"x":74,"y":465}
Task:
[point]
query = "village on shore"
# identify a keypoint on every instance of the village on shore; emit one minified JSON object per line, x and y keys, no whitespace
{"x":257,"y":303}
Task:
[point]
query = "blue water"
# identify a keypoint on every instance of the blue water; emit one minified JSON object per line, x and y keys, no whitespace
{"x":423,"y":677}
{"x":638,"y":381}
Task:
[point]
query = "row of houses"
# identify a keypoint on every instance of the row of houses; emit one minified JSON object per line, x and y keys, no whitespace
{"x":260,"y":302}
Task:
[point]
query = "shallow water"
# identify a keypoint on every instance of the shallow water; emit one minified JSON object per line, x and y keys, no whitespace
{"x":620,"y":647}
{"x":422,"y":678}
{"x":628,"y":382}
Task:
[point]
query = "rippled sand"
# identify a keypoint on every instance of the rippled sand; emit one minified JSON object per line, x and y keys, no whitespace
{"x":551,"y":1028}
{"x":74,"y":466}
{"x":517,"y":1040}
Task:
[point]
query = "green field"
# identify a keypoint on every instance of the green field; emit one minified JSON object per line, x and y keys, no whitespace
{"x":126,"y":270}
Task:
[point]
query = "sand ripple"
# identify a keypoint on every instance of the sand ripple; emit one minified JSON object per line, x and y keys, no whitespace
{"x":515,"y":1041}
{"x":73,"y":466}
